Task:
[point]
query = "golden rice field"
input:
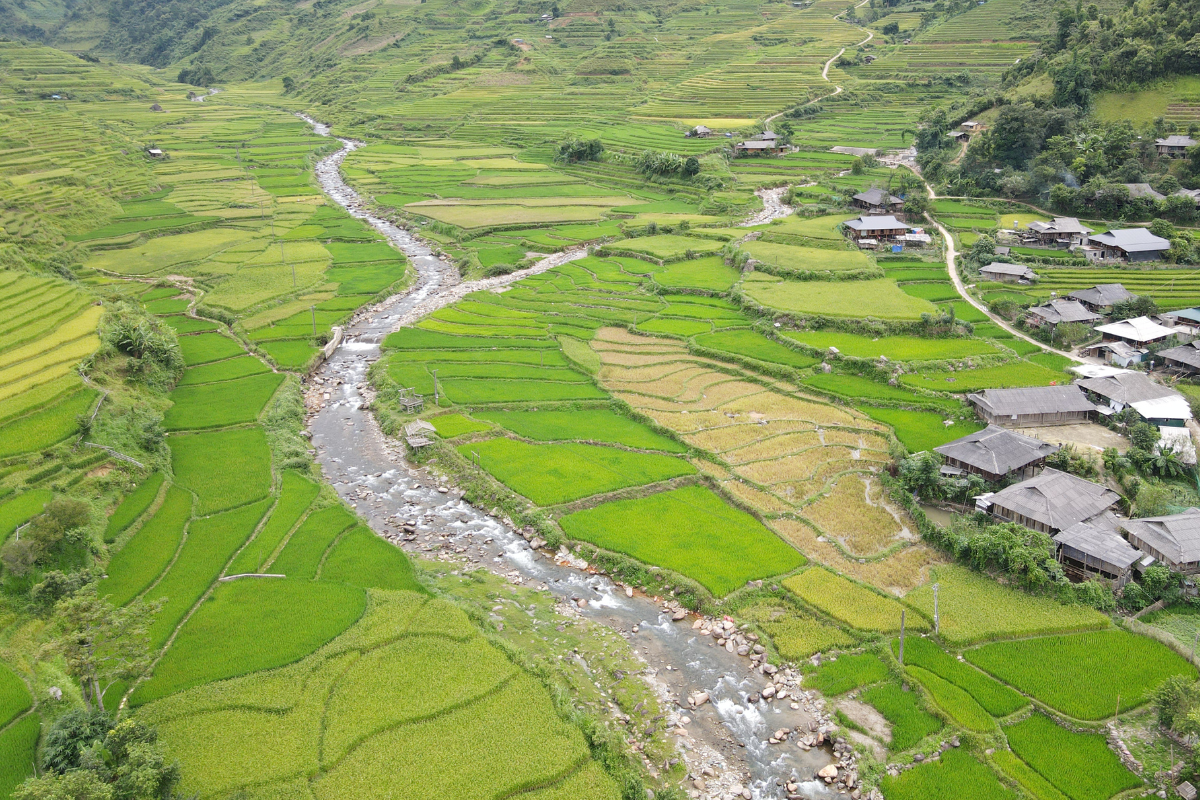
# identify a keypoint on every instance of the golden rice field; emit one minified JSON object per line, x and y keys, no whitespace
{"x":773,"y":442}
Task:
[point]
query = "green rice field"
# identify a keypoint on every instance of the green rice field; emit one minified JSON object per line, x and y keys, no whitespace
{"x":1083,"y":674}
{"x":695,"y":533}
{"x":549,"y":474}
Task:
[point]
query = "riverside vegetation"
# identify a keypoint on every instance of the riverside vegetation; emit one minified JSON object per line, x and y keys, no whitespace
{"x":668,"y":405}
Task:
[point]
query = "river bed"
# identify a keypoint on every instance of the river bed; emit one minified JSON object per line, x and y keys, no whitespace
{"x":370,"y":472}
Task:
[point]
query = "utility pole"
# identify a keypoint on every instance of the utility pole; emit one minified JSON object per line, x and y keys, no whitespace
{"x":902,"y":637}
{"x":313,"y":309}
{"x":1194,"y":640}
{"x":435,"y":391}
{"x":935,"y":610}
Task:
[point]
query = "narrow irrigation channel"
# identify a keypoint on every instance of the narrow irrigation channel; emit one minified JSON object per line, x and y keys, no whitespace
{"x":370,"y":472}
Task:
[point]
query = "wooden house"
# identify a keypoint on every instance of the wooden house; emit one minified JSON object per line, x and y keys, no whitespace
{"x":1102,"y":297}
{"x":1058,"y":232}
{"x":1185,"y":358}
{"x":1174,"y":146}
{"x":1174,"y":540}
{"x":1007,"y":273}
{"x":1143,"y":191}
{"x":759,"y":147}
{"x":1128,"y":244}
{"x":1051,"y":502}
{"x":997,"y":454}
{"x":1055,"y":312}
{"x":1032,"y":406}
{"x":1096,"y":550}
{"x":1137,"y":332}
{"x":878,"y":201}
{"x":1157,"y":404}
{"x":876,"y":227}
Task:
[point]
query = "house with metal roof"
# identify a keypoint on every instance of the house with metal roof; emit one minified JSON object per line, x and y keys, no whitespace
{"x":1126,"y":244}
{"x":1157,"y":404}
{"x":1138,"y":331}
{"x":878,"y":201}
{"x":1185,"y":358}
{"x":1194,"y":194}
{"x":1103,"y":296}
{"x":1174,"y":540}
{"x":876,"y":227}
{"x":1050,"y":502}
{"x":1174,"y":146}
{"x":996,"y":454}
{"x":1119,"y":354}
{"x":1143,"y":191}
{"x":1058,"y":232}
{"x":1057,"y":311}
{"x":1007,"y":273}
{"x":1096,"y":549}
{"x":1032,"y":406}
{"x":758,"y":147}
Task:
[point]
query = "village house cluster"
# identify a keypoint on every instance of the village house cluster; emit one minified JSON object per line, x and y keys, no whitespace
{"x":1091,"y":539}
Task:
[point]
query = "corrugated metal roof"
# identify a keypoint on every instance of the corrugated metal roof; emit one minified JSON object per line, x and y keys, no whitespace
{"x":877,"y":197}
{"x":1139,"y":329}
{"x":1057,"y":311}
{"x":1127,"y":387}
{"x":1174,"y":407}
{"x":1132,"y":240}
{"x":1032,"y":400}
{"x":1099,"y":538}
{"x":1142,"y":190}
{"x":1176,"y":141}
{"x":1060,"y":225}
{"x":1003,"y":268}
{"x":1186,"y":354}
{"x":880,"y":223}
{"x":1103,"y":294}
{"x":1056,"y":499}
{"x":996,"y":450}
{"x":1176,"y":536}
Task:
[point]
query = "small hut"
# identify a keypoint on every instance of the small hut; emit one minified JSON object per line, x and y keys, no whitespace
{"x":156,"y":107}
{"x":416,"y":433}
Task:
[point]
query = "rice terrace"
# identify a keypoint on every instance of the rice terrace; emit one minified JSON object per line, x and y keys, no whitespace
{"x":563,"y":399}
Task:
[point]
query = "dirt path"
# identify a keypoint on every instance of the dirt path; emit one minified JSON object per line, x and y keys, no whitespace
{"x":825,"y":71}
{"x":951,"y":267}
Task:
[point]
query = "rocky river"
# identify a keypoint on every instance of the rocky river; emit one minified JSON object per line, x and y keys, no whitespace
{"x":744,"y":727}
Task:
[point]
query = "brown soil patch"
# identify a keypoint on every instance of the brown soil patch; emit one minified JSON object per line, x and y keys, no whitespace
{"x":101,"y":471}
{"x":899,"y":573}
{"x":868,"y":717}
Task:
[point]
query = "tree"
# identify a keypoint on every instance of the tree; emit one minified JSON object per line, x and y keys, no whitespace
{"x":1153,"y":500}
{"x":78,"y":785}
{"x":1143,"y":435}
{"x":1068,"y":334}
{"x":88,"y":757}
{"x":921,"y":474}
{"x":691,"y":167}
{"x":102,"y":644}
{"x":71,"y":736}
{"x":982,"y":250}
{"x":49,"y":537}
{"x":1137,"y":306}
{"x":574,"y":150}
